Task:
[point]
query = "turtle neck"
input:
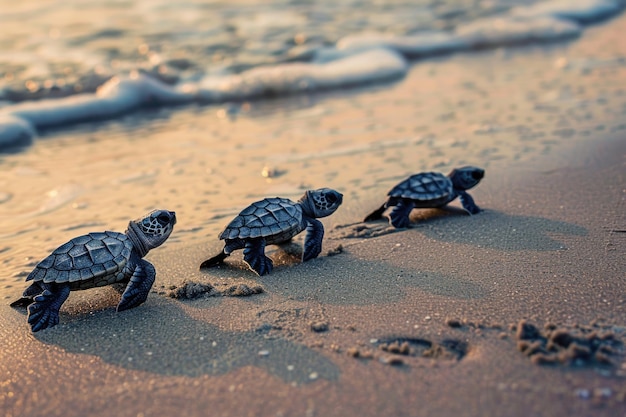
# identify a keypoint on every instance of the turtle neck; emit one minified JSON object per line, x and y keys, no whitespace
{"x":307,"y":206}
{"x":133,"y":232}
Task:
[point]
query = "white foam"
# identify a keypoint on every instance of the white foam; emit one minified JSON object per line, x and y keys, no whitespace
{"x":422,"y":44}
{"x":579,"y":10}
{"x":502,"y":31}
{"x":15,"y":131}
{"x":284,"y":79}
{"x":116,"y":96}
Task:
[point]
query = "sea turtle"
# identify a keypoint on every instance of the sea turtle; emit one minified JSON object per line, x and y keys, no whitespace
{"x":95,"y":260}
{"x":276,"y":220}
{"x":429,"y":189}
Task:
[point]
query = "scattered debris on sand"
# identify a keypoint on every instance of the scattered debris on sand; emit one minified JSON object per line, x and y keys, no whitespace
{"x":448,"y":349}
{"x":454,"y":323}
{"x":577,"y":345}
{"x":190,"y":290}
{"x":242,"y":290}
{"x":335,"y":251}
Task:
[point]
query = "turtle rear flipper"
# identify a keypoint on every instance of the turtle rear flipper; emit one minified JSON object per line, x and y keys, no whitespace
{"x":254,"y":255}
{"x":214,"y":261}
{"x":138,"y":287}
{"x":28,"y":295}
{"x":44,"y":311}
{"x":376,"y":214}
{"x":22,"y":302}
{"x":399,"y":216}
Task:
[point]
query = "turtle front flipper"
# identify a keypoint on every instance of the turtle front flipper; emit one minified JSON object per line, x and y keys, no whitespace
{"x":138,"y":287}
{"x":399,"y":216}
{"x":254,"y":255}
{"x":468,"y":203}
{"x":376,"y":214}
{"x":313,"y":239}
{"x":44,"y":311}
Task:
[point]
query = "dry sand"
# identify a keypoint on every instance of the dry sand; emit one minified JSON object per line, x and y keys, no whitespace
{"x":419,"y":322}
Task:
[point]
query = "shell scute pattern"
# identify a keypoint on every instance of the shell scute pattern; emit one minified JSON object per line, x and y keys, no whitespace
{"x":65,"y":248}
{"x":265,"y":218}
{"x":425,"y":186}
{"x":115,"y":246}
{"x":74,"y":275}
{"x":97,"y":270}
{"x":63,"y":276}
{"x":63,"y":262}
{"x":110,"y":267}
{"x":85,"y":258}
{"x":97,"y":235}
{"x":81,"y":240}
{"x":47,"y":262}
{"x":37,"y":274}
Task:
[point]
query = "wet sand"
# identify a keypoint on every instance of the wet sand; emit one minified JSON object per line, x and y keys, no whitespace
{"x":418,"y":322}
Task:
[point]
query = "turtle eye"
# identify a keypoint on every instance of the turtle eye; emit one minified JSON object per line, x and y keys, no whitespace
{"x":331,"y":198}
{"x":477,"y":175}
{"x":163,"y":218}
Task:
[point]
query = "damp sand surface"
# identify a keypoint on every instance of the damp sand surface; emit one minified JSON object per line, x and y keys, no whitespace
{"x":418,"y":322}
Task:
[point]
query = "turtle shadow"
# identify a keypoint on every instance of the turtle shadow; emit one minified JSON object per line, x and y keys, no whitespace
{"x":161,"y":338}
{"x":503,"y":231}
{"x":340,"y":280}
{"x":490,"y":229}
{"x":352,"y":281}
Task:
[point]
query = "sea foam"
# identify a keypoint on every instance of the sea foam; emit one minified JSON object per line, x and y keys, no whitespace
{"x":358,"y":59}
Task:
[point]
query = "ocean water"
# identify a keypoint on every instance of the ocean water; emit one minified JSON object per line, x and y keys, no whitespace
{"x":109,"y":109}
{"x":80,"y":61}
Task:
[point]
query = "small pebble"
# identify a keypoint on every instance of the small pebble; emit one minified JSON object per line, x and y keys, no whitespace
{"x":582,"y":393}
{"x":319,"y":326}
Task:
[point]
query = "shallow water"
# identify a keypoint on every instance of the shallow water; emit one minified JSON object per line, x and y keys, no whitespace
{"x":67,"y":42}
{"x":205,"y":162}
{"x":112,"y":84}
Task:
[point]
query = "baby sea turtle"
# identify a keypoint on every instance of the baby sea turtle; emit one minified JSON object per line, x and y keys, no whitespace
{"x":95,"y":260}
{"x":429,"y":190}
{"x":276,"y":220}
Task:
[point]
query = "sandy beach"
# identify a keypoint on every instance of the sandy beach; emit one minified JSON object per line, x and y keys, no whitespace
{"x":451,"y":317}
{"x":549,"y":249}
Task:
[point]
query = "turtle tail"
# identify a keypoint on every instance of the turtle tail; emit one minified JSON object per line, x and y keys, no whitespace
{"x":214,"y":261}
{"x":376,"y":214}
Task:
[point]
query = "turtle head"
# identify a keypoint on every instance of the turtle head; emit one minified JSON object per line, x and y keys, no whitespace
{"x":151,"y":230}
{"x":466,"y":177}
{"x":321,"y":203}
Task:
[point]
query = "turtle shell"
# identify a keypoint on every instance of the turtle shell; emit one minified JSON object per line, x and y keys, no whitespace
{"x":276,"y":219}
{"x":95,"y":259}
{"x":427,"y":187}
